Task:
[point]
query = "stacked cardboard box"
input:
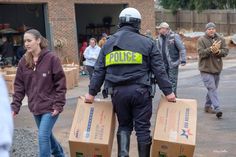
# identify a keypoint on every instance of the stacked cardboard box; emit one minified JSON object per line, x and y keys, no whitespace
{"x":75,"y":72}
{"x":10,"y":82}
{"x":10,"y":70}
{"x":2,"y":71}
{"x":92,"y":130}
{"x":69,"y":78}
{"x":72,"y":66}
{"x":75,"y":75}
{"x":175,"y":130}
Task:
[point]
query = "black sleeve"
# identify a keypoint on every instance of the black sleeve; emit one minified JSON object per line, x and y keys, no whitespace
{"x":98,"y":74}
{"x":157,"y":67}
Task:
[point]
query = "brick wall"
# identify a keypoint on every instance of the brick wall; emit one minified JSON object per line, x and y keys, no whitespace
{"x":63,"y":24}
{"x":61,"y":15}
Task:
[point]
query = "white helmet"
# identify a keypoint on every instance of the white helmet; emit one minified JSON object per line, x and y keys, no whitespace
{"x":130,"y":16}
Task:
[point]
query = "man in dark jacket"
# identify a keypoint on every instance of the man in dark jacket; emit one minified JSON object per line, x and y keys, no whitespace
{"x":126,"y":62}
{"x":173,"y":52}
{"x":211,"y":48}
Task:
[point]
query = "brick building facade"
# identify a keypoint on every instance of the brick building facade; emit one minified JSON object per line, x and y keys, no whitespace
{"x":62,"y":20}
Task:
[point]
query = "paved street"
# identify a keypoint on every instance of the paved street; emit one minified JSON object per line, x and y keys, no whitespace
{"x":215,"y":138}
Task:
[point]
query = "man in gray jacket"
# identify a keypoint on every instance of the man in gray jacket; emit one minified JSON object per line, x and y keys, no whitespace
{"x":6,"y":122}
{"x":173,"y":52}
{"x":211,"y":48}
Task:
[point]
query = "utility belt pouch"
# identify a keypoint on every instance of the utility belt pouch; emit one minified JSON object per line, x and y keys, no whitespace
{"x":105,"y":93}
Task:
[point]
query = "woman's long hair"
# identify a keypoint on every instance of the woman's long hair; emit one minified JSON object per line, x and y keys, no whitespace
{"x":43,"y":44}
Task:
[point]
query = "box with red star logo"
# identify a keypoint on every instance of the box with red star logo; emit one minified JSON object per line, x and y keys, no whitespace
{"x":175,"y":129}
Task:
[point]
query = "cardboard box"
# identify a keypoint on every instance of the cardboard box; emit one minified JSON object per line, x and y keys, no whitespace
{"x":75,"y":74}
{"x":175,"y":129}
{"x":2,"y":72}
{"x":10,"y":70}
{"x":10,"y":82}
{"x":92,"y":130}
{"x":10,"y":77}
{"x":73,"y":66}
{"x":69,"y":78}
{"x":10,"y":86}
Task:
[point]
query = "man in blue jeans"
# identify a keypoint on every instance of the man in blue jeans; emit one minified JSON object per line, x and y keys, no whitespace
{"x":173,"y":52}
{"x":211,"y":48}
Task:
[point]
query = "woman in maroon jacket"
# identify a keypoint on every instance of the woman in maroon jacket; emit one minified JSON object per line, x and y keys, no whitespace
{"x":40,"y":76}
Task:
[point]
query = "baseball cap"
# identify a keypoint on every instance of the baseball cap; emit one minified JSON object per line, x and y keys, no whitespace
{"x":163,"y":25}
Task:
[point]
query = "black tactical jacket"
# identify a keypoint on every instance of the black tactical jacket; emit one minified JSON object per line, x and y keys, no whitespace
{"x":129,"y":39}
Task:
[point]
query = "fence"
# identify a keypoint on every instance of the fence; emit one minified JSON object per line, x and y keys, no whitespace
{"x":225,"y":20}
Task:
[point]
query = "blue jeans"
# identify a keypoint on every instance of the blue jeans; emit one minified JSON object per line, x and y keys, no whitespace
{"x":211,"y":82}
{"x":47,"y":143}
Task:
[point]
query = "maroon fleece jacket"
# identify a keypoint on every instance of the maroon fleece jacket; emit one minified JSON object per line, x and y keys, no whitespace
{"x":45,"y":85}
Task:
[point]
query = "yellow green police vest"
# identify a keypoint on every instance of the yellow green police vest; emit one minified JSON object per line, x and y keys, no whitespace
{"x":123,"y":57}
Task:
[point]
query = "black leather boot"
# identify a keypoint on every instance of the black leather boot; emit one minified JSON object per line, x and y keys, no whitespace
{"x":144,"y":149}
{"x":123,"y":140}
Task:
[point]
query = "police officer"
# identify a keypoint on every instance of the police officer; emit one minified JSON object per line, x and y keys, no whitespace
{"x":125,"y":63}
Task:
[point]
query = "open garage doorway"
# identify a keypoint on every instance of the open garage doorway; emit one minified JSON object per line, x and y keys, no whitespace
{"x":23,"y":16}
{"x":17,"y":18}
{"x":92,"y":20}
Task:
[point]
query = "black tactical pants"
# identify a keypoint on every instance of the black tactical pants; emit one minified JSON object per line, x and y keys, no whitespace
{"x":133,"y":106}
